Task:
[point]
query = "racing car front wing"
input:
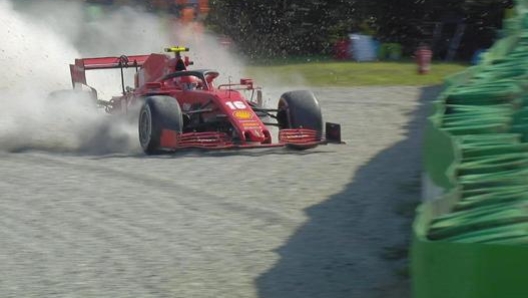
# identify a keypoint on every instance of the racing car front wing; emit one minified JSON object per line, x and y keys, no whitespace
{"x":296,"y":138}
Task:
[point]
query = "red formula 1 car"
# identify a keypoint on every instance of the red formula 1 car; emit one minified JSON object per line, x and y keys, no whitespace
{"x":182,"y":108}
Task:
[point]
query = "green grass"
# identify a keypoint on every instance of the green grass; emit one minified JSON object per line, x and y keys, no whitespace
{"x":350,"y":73}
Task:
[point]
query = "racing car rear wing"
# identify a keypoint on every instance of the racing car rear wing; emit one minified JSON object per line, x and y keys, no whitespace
{"x":78,"y":69}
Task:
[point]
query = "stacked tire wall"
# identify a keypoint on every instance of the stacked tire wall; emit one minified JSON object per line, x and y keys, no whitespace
{"x":470,"y":235}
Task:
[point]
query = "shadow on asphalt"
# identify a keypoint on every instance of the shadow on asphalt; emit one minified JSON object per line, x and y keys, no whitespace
{"x":358,"y":258}
{"x":252,"y":152}
{"x":193,"y":152}
{"x":215,"y":153}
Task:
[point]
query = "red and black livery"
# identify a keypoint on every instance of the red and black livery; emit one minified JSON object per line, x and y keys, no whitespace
{"x":182,"y":108}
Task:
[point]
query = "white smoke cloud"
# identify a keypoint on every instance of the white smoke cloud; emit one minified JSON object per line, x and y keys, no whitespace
{"x":40,"y":40}
{"x":33,"y":55}
{"x":32,"y":63}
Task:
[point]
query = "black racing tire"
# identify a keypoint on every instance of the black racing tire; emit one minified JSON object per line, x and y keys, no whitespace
{"x":157,"y":113}
{"x":300,"y":109}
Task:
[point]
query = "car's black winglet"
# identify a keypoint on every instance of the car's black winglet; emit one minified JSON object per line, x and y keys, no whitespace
{"x":333,"y":133}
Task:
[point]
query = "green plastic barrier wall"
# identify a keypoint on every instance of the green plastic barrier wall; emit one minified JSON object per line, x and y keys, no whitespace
{"x":450,"y":269}
{"x":472,"y":241}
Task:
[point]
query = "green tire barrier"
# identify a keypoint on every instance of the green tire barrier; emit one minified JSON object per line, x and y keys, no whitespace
{"x":472,"y":241}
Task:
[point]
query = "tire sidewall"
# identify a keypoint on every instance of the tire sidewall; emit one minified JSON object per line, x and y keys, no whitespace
{"x":146,"y":133}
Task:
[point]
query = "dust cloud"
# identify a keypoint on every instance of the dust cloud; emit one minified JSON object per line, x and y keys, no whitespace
{"x":38,"y":44}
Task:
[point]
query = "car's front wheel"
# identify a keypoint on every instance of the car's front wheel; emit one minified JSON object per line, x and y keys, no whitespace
{"x":300,"y":109}
{"x":158,"y":113}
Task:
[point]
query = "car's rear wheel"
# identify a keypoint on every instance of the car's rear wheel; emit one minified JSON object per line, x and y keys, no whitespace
{"x":300,"y":109}
{"x":156,"y":114}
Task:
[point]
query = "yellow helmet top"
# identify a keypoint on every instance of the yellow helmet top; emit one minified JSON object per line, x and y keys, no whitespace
{"x":176,"y":49}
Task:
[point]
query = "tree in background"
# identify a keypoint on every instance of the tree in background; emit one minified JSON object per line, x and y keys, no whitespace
{"x":279,"y":27}
{"x":292,"y":27}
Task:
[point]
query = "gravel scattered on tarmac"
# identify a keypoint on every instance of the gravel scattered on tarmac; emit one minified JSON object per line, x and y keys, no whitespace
{"x":257,"y":223}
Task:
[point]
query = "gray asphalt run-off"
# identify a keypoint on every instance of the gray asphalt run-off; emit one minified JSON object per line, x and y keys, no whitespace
{"x":256,"y":223}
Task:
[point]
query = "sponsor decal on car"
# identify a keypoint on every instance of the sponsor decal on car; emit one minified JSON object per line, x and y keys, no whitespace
{"x":243,"y":114}
{"x":250,"y":124}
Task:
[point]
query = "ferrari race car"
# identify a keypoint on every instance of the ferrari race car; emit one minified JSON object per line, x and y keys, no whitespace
{"x":183,"y":108}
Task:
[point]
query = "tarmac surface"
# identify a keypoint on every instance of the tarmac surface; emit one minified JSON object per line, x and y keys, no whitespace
{"x":271,"y":223}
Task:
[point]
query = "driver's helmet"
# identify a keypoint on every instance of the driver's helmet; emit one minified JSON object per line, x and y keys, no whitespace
{"x":190,"y":82}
